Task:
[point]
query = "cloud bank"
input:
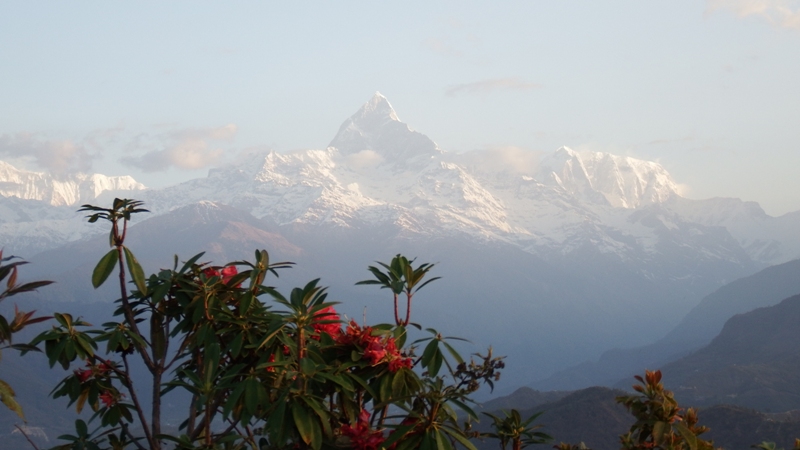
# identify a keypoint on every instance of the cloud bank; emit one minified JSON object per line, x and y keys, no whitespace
{"x":187,"y":149}
{"x":779,"y":13}
{"x":496,"y":84}
{"x":58,"y":157}
{"x":508,"y":159}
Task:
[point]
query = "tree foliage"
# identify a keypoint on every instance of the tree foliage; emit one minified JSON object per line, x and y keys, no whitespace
{"x":9,"y":273}
{"x":264,"y":370}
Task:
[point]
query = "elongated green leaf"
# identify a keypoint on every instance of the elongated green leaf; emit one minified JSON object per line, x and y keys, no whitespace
{"x":188,"y":264}
{"x":453,"y":352}
{"x":427,"y":354}
{"x":460,"y":438}
{"x":464,"y":407}
{"x":688,"y":436}
{"x":136,"y":271}
{"x":81,"y":428}
{"x":7,"y":397}
{"x":304,"y":423}
{"x":442,"y":443}
{"x":398,"y":383}
{"x":32,"y":286}
{"x":659,"y":429}
{"x":104,"y":268}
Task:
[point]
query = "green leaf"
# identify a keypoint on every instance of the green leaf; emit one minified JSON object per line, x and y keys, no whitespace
{"x":427,"y":354}
{"x":190,"y":262}
{"x":688,"y":436}
{"x":659,"y":429}
{"x":442,"y":443}
{"x":304,"y":423}
{"x":460,"y":438}
{"x":81,"y":428}
{"x":398,"y":383}
{"x":136,"y":271}
{"x":464,"y":407}
{"x":7,"y":396}
{"x":104,"y":268}
{"x":453,"y":352}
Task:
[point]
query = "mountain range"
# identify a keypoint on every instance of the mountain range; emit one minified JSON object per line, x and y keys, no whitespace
{"x":552,"y":261}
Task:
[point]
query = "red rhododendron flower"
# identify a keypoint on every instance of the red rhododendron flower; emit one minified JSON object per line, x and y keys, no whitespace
{"x":376,"y":349}
{"x":228,"y":273}
{"x":225,"y":274}
{"x":83,"y":375}
{"x":104,"y":368}
{"x":108,"y":398}
{"x":362,"y":437}
{"x":210,"y":272}
{"x":334,"y":329}
{"x":398,"y":363}
{"x":354,"y":334}
{"x":374,"y":352}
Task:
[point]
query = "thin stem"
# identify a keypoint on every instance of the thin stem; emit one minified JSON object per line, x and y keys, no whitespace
{"x":26,"y":436}
{"x":192,"y":415}
{"x":408,"y":308}
{"x":396,"y":312}
{"x":154,"y":444}
{"x":130,"y":435}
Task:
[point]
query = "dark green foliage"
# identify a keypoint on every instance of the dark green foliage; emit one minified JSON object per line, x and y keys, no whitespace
{"x":263,"y":370}
{"x":8,"y":273}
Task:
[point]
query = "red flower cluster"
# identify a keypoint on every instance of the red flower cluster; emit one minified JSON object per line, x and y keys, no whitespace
{"x":327,"y":320}
{"x":83,"y":374}
{"x":109,"y":399}
{"x":361,"y":436}
{"x":376,"y":349}
{"x":226,"y":273}
{"x":92,"y":370}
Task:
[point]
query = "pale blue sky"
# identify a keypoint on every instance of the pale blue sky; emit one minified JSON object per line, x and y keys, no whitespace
{"x":708,"y":88}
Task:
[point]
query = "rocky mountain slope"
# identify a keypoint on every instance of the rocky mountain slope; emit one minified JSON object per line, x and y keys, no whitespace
{"x":754,"y":362}
{"x":696,"y":330}
{"x":593,"y":416}
{"x":574,"y":244}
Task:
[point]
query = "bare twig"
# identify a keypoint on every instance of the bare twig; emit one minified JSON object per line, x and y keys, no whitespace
{"x":26,"y":436}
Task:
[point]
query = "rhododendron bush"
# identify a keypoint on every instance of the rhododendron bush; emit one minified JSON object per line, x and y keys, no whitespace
{"x":263,"y":369}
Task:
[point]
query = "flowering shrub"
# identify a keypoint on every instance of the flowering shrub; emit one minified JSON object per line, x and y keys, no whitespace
{"x":264,"y":370}
{"x":268,"y":371}
{"x":660,"y":423}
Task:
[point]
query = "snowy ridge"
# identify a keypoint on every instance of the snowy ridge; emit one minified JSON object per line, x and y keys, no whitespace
{"x":623,"y":182}
{"x":379,"y":172}
{"x":73,"y":190}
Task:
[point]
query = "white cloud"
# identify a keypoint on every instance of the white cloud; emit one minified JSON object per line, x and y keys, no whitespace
{"x":363,"y":159}
{"x":187,"y":149}
{"x":55,"y":156}
{"x":511,"y":159}
{"x":496,"y":84}
{"x":780,"y":13}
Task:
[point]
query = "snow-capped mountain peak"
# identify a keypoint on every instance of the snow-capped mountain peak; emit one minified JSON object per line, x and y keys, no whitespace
{"x":376,"y":131}
{"x":379,"y":172}
{"x":619,"y":181}
{"x":378,"y":106}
